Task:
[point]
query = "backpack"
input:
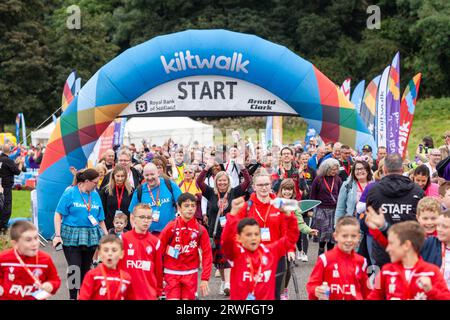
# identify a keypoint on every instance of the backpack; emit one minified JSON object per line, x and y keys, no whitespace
{"x":168,"y":185}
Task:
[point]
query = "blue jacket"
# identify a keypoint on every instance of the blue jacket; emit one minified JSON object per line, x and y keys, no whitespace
{"x":432,"y":251}
{"x":346,"y":203}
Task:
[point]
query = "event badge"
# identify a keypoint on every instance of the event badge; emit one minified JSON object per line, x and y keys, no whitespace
{"x":41,"y":295}
{"x":341,"y":168}
{"x":251,"y":296}
{"x":223,"y":221}
{"x":155,"y":216}
{"x":172,"y":252}
{"x":92,"y":220}
{"x":265,"y":234}
{"x":118,"y":212}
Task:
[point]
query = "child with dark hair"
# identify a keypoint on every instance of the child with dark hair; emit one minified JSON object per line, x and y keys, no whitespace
{"x":422,"y":178}
{"x":26,"y":273}
{"x":181,"y":241}
{"x":254,"y":263}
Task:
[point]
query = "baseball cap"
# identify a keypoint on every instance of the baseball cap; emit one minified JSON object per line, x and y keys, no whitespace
{"x":367,"y":148}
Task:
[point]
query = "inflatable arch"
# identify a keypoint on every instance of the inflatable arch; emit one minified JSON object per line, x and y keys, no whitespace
{"x":190,"y":73}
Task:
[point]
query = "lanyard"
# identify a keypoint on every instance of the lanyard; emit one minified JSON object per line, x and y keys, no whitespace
{"x":180,"y":171}
{"x":88,"y":205}
{"x":267,"y":213}
{"x":108,"y":290}
{"x":234,"y":164}
{"x":328,"y":186}
{"x":252,"y":270}
{"x":188,"y":188}
{"x":119,"y":197}
{"x":157,"y":196}
{"x":35,"y":279}
{"x":346,"y":168}
{"x":221,"y":202}
{"x":359,"y":186}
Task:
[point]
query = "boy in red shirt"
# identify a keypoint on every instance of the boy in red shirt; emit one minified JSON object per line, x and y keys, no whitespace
{"x":181,"y":240}
{"x":408,"y":276}
{"x":26,"y":273}
{"x":341,"y":268}
{"x":143,"y":256}
{"x":106,"y":282}
{"x":254,"y":264}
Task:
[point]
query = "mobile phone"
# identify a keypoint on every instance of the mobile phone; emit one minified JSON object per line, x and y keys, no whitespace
{"x":58,"y":246}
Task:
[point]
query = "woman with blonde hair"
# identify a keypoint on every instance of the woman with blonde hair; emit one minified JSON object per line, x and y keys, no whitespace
{"x":116,"y":196}
{"x":219,"y":205}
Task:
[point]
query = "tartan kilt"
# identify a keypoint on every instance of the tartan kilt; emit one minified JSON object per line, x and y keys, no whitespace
{"x":219,"y":259}
{"x":324,"y":222}
{"x":80,"y":236}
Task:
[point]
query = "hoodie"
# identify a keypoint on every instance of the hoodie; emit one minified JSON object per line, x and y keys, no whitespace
{"x":399,"y":196}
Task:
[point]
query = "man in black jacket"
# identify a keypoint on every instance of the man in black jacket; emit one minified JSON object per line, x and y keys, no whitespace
{"x":8,"y":169}
{"x":396,"y":197}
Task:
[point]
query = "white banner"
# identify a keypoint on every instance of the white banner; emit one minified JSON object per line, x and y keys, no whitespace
{"x":205,"y":95}
{"x":381,"y":108}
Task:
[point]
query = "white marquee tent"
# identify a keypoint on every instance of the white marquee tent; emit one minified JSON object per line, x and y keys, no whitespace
{"x":182,"y":130}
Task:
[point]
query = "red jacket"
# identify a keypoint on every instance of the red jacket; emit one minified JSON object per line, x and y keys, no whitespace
{"x":16,"y":283}
{"x":143,"y":261}
{"x":391,"y":283}
{"x":345,"y":273}
{"x":275,"y":221}
{"x":382,"y":241}
{"x":264,"y":261}
{"x":95,"y":287}
{"x":187,"y":237}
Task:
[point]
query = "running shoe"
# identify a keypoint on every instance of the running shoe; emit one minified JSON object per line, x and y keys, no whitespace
{"x":226,"y":289}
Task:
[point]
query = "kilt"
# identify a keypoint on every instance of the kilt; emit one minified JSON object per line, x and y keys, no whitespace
{"x":80,"y":236}
{"x":324,"y":222}
{"x":219,"y":260}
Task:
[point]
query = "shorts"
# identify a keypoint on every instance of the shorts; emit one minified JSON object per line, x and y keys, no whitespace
{"x":182,"y":287}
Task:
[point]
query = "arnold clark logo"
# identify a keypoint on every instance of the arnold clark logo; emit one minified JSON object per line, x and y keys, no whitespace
{"x":184,"y":60}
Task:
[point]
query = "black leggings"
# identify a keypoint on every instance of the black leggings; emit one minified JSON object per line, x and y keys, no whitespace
{"x":330,"y":246}
{"x":303,"y":242}
{"x":280,"y":277}
{"x":79,"y":261}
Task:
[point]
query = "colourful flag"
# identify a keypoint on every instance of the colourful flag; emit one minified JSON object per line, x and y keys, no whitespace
{"x":407,"y":108}
{"x":119,"y":128}
{"x":345,"y":87}
{"x":269,"y":132}
{"x":393,"y":105}
{"x":357,"y":95}
{"x":369,"y":105}
{"x":68,"y":91}
{"x":18,"y":127}
{"x":24,"y":130}
{"x":380,"y":127}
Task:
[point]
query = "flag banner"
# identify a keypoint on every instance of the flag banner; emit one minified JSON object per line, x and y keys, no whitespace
{"x":119,"y":128}
{"x":357,"y":96}
{"x":68,"y":90}
{"x":369,"y":105}
{"x":269,"y":132}
{"x":393,"y":105}
{"x":18,"y":127}
{"x":345,"y":87}
{"x":24,"y":130}
{"x":381,"y":109}
{"x":407,"y":108}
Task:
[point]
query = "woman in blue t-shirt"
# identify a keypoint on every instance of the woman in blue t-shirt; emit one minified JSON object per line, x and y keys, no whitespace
{"x":79,"y":224}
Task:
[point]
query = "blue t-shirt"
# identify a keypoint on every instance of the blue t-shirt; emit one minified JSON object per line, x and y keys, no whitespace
{"x":166,"y":210}
{"x":74,"y":210}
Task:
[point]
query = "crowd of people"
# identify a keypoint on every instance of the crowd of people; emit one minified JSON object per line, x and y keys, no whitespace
{"x":148,"y":222}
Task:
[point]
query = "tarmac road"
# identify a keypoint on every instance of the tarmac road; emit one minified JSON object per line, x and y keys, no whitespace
{"x":302,"y":270}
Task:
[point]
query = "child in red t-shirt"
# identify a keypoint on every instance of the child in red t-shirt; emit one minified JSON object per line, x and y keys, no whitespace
{"x":106,"y":282}
{"x":181,"y":241}
{"x":254,"y":264}
{"x":26,"y":273}
{"x":408,"y":276}
{"x":343,"y":270}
